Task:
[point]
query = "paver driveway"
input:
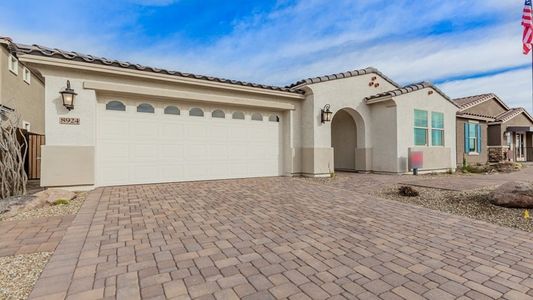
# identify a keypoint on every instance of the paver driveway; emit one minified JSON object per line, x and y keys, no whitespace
{"x":279,"y":238}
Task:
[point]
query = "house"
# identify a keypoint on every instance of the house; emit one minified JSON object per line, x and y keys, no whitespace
{"x":489,"y":130}
{"x":22,"y":91}
{"x":132,"y":124}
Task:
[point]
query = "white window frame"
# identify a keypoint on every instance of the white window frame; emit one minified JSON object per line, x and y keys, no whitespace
{"x":428,"y":120}
{"x":437,"y":129}
{"x":475,"y":138}
{"x":13,"y":64}
{"x":26,"y":75}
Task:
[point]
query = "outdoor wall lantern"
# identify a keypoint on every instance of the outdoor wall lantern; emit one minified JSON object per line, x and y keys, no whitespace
{"x":68,"y":96}
{"x":326,"y":114}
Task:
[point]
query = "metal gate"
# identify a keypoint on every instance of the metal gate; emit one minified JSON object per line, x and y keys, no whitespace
{"x":35,"y":141}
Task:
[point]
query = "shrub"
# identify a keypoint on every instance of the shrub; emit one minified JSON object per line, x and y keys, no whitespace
{"x":61,"y":202}
{"x":408,"y":191}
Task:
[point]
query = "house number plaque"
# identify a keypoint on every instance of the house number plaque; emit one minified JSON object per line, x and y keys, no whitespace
{"x":69,"y":121}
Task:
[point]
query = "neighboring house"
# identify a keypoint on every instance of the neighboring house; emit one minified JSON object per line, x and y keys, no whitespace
{"x":22,"y":91}
{"x":133,"y":124}
{"x":488,"y":130}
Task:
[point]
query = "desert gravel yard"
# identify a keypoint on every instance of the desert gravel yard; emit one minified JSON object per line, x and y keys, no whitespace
{"x":19,"y":273}
{"x":49,"y":211}
{"x":28,"y":241}
{"x":473,"y":204}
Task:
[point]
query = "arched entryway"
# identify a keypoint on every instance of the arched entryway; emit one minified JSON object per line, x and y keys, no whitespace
{"x":347,"y":135}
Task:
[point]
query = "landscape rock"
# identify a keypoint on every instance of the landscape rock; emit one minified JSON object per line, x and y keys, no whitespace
{"x":408,"y":191}
{"x":50,"y":196}
{"x":513,"y":194}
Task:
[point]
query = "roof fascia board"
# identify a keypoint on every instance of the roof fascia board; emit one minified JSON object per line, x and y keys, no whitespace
{"x":380,"y":99}
{"x":56,"y":62}
{"x":182,"y":95}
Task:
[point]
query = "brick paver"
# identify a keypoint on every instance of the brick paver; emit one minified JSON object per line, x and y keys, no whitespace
{"x":278,"y":238}
{"x":34,"y":235}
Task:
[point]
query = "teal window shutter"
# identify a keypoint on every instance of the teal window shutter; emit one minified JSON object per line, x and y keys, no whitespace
{"x":478,"y":138}
{"x":467,"y":138}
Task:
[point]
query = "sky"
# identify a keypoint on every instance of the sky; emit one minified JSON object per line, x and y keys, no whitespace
{"x":466,"y":47}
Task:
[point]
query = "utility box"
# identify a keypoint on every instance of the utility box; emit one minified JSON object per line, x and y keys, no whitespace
{"x":416,"y":161}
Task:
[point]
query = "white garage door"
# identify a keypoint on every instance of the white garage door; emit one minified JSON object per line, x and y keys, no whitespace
{"x":151,"y":142}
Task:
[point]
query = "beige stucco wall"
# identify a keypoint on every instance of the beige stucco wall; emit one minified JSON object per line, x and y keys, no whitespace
{"x":479,"y":158}
{"x":84,"y":135}
{"x":67,"y":165}
{"x":435,"y":157}
{"x":384,"y":137}
{"x":26,"y":99}
{"x":348,"y":93}
{"x":488,"y":108}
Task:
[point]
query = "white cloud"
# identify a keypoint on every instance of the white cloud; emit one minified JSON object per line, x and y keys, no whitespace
{"x":310,"y":38}
{"x":513,"y":87}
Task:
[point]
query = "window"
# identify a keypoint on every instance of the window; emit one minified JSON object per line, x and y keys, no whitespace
{"x":115,"y":105}
{"x":218,"y":114}
{"x":437,"y":129}
{"x":172,"y":110}
{"x":238,"y":115}
{"x":145,"y":108}
{"x":472,"y":137}
{"x":26,"y":75}
{"x":257,"y":117}
{"x":13,"y":64}
{"x":421,"y":127}
{"x":273,"y":118}
{"x":196,"y":112}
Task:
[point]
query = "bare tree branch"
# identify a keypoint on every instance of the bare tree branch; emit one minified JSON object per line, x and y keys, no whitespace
{"x":13,"y":149}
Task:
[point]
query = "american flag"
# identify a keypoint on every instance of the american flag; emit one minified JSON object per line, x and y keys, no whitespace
{"x":527,"y":22}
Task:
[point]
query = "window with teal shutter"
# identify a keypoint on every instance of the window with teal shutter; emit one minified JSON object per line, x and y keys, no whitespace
{"x":421,"y":127}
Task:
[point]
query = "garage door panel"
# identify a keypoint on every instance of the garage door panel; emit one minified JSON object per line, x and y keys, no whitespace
{"x":144,"y":129}
{"x":173,"y":152}
{"x":148,"y":148}
{"x":144,"y":173}
{"x":113,"y":174}
{"x":113,"y":129}
{"x":144,"y":152}
{"x":114,"y":152}
{"x":169,"y":172}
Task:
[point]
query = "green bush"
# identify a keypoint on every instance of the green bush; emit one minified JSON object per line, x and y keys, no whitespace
{"x":61,"y":202}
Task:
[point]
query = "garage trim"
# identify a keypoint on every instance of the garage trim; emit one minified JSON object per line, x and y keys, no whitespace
{"x":183,"y":95}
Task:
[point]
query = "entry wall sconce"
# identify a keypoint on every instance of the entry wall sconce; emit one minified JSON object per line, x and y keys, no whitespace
{"x":68,"y":96}
{"x":326,"y":114}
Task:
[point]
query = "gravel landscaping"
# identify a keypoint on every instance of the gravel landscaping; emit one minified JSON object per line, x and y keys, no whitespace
{"x":19,"y":273}
{"x":473,"y":204}
{"x":49,"y":211}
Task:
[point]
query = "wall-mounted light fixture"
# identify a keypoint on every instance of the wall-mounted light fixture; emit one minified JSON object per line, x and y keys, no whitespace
{"x":68,"y":96}
{"x":326,"y":114}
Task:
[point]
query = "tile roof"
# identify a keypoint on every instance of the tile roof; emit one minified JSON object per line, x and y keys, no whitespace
{"x":474,"y":115}
{"x":508,"y":115}
{"x":341,"y":75}
{"x":76,"y":56}
{"x":470,"y":101}
{"x":409,"y":89}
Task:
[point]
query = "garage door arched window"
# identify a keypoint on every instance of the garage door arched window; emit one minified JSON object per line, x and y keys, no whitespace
{"x":196,"y":112}
{"x":218,"y":114}
{"x":172,"y":110}
{"x":257,"y":117}
{"x":273,"y":118}
{"x":145,"y":108}
{"x":238,"y":115}
{"x":115,"y":105}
